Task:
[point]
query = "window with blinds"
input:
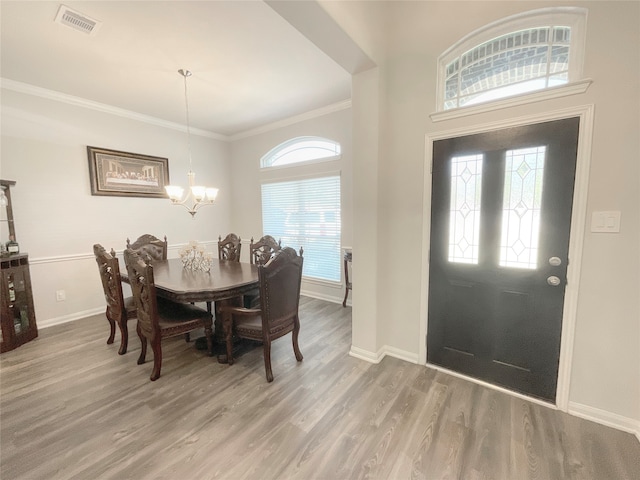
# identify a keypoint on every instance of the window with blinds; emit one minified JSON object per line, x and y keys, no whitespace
{"x":303,"y":210}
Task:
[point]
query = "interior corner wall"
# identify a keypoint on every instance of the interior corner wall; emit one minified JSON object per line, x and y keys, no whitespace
{"x":57,"y":219}
{"x":246,"y":153}
{"x":366,"y":91}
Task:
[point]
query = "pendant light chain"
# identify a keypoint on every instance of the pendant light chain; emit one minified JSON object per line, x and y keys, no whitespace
{"x":185,"y":74}
{"x":197,"y":196}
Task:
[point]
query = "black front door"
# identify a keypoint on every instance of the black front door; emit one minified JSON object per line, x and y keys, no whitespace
{"x":500,"y":225}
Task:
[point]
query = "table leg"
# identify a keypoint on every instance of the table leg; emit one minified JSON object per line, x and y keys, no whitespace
{"x":224,"y":328}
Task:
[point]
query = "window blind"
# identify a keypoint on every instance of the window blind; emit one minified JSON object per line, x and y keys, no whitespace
{"x":306,"y":213}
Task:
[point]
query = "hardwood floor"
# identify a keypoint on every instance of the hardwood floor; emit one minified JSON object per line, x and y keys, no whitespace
{"x":71,"y":408}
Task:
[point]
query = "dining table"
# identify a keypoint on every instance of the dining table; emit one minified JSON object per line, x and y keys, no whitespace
{"x":226,"y":281}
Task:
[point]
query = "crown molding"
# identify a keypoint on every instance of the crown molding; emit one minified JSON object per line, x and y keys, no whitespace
{"x":319,"y":112}
{"x":28,"y":89}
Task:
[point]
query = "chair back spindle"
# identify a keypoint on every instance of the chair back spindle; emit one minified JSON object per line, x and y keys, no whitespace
{"x":229,"y":248}
{"x":149,"y":246}
{"x":261,"y":251}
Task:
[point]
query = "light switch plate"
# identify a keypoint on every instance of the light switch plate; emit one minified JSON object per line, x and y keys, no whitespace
{"x":605,"y":222}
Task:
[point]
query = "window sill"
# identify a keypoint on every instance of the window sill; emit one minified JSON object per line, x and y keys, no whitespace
{"x":574,"y":88}
{"x":321,"y":282}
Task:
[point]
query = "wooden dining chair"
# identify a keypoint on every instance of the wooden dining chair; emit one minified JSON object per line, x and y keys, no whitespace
{"x":229,"y":248}
{"x":119,"y":309}
{"x":278,"y":313}
{"x":260,"y":253}
{"x":348,"y":286}
{"x":149,"y":245}
{"x":160,"y":318}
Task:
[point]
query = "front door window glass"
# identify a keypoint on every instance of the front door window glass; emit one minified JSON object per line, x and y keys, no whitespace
{"x":522,"y":200}
{"x":464,"y":214}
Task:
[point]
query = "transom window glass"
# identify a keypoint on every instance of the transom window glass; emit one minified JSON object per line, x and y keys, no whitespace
{"x":521,"y":54}
{"x":299,"y":150}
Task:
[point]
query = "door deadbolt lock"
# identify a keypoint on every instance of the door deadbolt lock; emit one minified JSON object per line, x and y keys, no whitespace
{"x":555,"y":261}
{"x":553,"y":281}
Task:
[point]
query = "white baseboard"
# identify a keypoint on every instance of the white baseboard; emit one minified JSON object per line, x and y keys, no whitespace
{"x":400,"y":354}
{"x":50,"y":322}
{"x":320,"y":296}
{"x":383,"y":352}
{"x":603,"y":417}
{"x":366,"y":355}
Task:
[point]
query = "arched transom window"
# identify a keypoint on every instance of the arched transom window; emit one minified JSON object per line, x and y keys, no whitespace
{"x":521,"y":54}
{"x":301,"y":149}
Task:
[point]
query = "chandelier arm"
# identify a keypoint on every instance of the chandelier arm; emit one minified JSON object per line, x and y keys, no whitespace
{"x":196,"y":204}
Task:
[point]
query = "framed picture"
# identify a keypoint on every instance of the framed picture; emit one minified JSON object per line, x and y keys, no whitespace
{"x":126,"y":174}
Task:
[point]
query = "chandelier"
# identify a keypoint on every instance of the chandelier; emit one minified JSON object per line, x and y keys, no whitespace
{"x":197,"y":196}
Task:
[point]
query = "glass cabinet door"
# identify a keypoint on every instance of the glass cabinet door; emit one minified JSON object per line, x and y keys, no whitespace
{"x":18,"y":301}
{"x":18,"y":315}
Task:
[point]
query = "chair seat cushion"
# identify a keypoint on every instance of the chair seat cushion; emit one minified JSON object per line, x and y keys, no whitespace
{"x":180,"y":312}
{"x":249,"y":326}
{"x":171,"y":313}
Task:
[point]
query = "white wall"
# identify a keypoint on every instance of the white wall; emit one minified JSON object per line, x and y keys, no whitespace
{"x":605,"y":375}
{"x":58,"y":220}
{"x":245,"y":174}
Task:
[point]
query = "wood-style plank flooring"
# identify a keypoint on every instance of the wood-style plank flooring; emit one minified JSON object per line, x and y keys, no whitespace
{"x":71,"y":408}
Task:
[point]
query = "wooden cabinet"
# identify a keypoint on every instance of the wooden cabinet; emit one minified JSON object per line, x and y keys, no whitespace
{"x":18,"y":315}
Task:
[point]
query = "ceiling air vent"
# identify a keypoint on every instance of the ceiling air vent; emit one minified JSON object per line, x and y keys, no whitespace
{"x":78,"y":21}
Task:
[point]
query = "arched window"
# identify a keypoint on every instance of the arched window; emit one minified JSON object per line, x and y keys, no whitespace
{"x":524,"y":53}
{"x":301,"y":149}
{"x":301,"y":202}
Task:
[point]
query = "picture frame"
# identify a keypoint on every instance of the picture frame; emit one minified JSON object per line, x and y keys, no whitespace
{"x":125,"y":174}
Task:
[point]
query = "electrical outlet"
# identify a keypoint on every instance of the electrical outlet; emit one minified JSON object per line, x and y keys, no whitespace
{"x":61,"y":295}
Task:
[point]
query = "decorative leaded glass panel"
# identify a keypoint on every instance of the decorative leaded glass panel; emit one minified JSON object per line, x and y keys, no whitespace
{"x":523,"y":177}
{"x":464,"y":217}
{"x":518,"y":62}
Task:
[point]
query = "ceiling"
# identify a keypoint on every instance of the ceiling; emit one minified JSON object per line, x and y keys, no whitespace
{"x":250,"y":66}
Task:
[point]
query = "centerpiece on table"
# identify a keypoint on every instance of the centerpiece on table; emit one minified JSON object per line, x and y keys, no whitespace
{"x":194,"y":257}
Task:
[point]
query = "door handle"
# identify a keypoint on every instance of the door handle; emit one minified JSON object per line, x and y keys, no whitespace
{"x":553,"y":281}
